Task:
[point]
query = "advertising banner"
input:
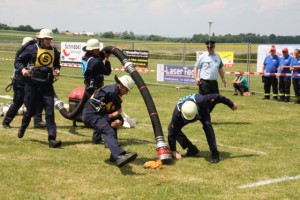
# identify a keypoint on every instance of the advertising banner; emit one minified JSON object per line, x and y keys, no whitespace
{"x":173,"y":73}
{"x":71,"y":53}
{"x":226,"y":56}
{"x":137,"y":57}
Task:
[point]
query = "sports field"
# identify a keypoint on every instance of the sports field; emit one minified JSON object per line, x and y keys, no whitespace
{"x":258,"y":144}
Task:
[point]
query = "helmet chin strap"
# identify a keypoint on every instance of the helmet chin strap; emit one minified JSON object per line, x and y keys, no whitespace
{"x":41,"y":43}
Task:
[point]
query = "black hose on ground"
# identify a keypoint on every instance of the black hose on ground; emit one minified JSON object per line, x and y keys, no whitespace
{"x":162,"y":151}
{"x":76,"y":112}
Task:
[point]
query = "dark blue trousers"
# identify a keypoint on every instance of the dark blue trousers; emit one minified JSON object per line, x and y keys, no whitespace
{"x":18,"y":101}
{"x":175,"y":132}
{"x":102,"y":127}
{"x":37,"y":96}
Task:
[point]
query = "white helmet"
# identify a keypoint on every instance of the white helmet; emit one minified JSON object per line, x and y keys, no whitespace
{"x":126,"y":81}
{"x":45,"y":33}
{"x":91,"y":44}
{"x":26,"y":39}
{"x":189,"y":110}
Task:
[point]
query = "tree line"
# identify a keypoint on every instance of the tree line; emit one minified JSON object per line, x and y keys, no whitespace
{"x":202,"y":38}
{"x":196,"y":38}
{"x":26,"y":28}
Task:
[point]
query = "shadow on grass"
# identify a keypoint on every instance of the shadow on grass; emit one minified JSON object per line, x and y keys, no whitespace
{"x":126,"y":169}
{"x":128,"y":142}
{"x":223,"y":155}
{"x":64,"y":143}
{"x":230,"y":123}
{"x":73,"y":129}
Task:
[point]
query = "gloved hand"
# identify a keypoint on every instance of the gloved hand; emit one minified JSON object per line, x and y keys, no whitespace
{"x":102,"y":55}
{"x":153,"y":164}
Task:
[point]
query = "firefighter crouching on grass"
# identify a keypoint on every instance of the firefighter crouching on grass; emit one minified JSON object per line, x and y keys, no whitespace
{"x":103,"y":113}
{"x":40,"y":62}
{"x":189,"y":109}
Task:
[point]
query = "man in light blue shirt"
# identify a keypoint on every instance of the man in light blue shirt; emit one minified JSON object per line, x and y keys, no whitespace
{"x":206,"y":70}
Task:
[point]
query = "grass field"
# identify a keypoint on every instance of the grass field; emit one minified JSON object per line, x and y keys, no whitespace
{"x":258,"y":142}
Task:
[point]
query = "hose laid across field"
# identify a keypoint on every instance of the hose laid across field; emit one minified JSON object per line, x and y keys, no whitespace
{"x":163,"y":153}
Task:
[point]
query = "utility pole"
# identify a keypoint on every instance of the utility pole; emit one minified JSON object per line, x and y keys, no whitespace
{"x":209,"y":29}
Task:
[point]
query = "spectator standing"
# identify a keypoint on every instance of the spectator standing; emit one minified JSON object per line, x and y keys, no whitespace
{"x":295,"y":67}
{"x":284,"y":80}
{"x":206,"y":70}
{"x":270,"y":65}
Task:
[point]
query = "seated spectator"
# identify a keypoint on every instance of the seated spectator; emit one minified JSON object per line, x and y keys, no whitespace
{"x":240,"y":85}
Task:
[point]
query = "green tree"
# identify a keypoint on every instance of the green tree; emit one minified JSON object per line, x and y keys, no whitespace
{"x":109,"y":34}
{"x":25,"y":28}
{"x":4,"y":26}
{"x":272,"y":38}
{"x":55,"y":31}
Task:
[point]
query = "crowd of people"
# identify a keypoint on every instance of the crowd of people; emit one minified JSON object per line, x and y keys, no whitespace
{"x":288,"y":67}
{"x":37,"y":64}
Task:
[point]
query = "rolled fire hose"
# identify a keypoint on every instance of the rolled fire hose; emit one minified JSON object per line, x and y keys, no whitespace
{"x":161,"y":147}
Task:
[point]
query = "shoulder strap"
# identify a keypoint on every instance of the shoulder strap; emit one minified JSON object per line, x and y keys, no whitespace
{"x":84,"y":65}
{"x":190,"y":97}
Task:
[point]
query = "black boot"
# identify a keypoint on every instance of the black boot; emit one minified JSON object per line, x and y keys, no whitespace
{"x":54,"y":143}
{"x":122,"y":160}
{"x":287,"y":99}
{"x":281,"y":99}
{"x":192,"y":151}
{"x":215,"y":158}
{"x":6,"y":126}
{"x":21,"y":132}
{"x":39,"y":125}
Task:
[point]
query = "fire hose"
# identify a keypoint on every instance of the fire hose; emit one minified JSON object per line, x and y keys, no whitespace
{"x":161,"y":147}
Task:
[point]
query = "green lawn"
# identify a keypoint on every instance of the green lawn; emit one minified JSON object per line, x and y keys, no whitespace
{"x":258,"y":142}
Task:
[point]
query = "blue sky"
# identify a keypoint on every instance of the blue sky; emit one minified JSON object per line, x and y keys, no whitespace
{"x":170,"y":18}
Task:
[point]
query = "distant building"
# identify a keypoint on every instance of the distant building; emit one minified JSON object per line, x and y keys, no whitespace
{"x":87,"y":33}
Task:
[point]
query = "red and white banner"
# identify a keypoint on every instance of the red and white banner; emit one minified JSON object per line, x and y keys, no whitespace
{"x":71,"y":53}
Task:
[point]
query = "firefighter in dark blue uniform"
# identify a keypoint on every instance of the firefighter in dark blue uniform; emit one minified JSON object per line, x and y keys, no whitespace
{"x":191,"y":108}
{"x":40,"y":62}
{"x":103,"y":113}
{"x":95,"y":64}
{"x":18,"y":83}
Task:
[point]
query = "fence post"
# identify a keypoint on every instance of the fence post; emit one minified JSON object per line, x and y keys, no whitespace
{"x":183,"y":53}
{"x":248,"y":63}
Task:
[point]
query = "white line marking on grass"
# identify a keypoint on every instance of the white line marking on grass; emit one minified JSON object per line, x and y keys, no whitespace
{"x":241,"y":148}
{"x":38,"y":132}
{"x":266,"y":182}
{"x":245,"y":149}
